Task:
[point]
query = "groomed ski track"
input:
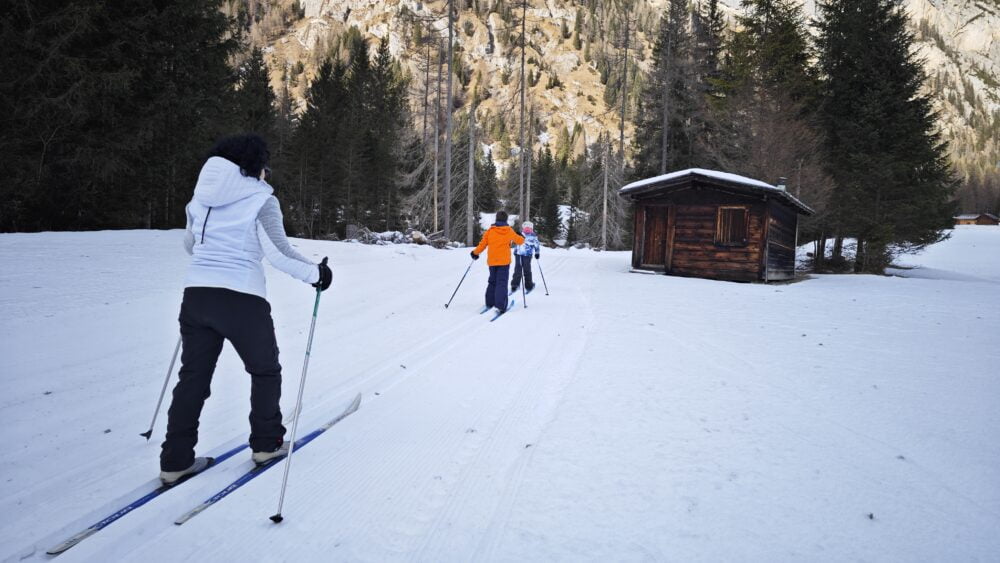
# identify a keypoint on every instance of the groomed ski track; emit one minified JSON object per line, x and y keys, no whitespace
{"x":438,"y":408}
{"x":621,"y":417}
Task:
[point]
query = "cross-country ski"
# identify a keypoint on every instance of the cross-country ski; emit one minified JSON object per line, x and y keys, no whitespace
{"x":499,"y":313}
{"x":258,"y":469}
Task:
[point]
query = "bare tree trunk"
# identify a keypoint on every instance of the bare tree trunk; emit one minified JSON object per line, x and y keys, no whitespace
{"x":604,"y":200}
{"x":427,"y":87}
{"x":624,"y":89}
{"x":469,"y":207}
{"x":447,"y":142}
{"x":437,"y":137}
{"x":530,"y":156}
{"x":666,"y":108}
{"x":819,"y":254}
{"x":860,"y":257}
{"x":520,"y":154}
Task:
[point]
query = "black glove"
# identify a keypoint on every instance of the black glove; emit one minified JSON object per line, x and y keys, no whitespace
{"x":325,"y":276}
{"x":537,"y":257}
{"x":474,"y":255}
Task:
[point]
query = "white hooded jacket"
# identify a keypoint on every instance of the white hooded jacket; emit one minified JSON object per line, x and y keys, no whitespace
{"x":233,"y":222}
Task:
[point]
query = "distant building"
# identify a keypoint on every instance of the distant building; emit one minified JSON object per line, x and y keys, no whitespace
{"x":709,"y":224}
{"x":977,"y":219}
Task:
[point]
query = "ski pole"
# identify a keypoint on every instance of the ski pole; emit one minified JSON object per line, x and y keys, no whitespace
{"x":459,"y":284}
{"x":524,"y":278}
{"x":298,"y":409}
{"x":163,"y":391}
{"x":543,"y":278}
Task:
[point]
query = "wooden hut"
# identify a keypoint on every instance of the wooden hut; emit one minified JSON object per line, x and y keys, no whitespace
{"x":710,"y":224}
{"x":977,"y":219}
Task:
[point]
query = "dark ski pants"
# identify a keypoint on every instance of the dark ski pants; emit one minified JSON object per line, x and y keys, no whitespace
{"x":496,"y":288}
{"x":522,"y":263}
{"x":210,"y":315}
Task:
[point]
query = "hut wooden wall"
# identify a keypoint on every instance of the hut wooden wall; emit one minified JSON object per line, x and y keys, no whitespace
{"x":689,"y":248}
{"x":781,"y":227}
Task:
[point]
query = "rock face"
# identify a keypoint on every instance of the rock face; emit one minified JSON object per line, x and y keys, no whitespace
{"x":960,"y":43}
{"x":958,"y":39}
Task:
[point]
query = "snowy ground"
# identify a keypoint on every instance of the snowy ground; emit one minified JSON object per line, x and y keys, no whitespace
{"x":624,"y":417}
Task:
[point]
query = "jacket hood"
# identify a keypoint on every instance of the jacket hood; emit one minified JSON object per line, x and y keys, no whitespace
{"x":221,"y":182}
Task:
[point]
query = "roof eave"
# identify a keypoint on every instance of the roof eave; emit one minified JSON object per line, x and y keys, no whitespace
{"x":635,"y":193}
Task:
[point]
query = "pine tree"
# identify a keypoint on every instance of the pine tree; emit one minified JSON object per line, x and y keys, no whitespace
{"x":388,"y":119}
{"x":110,"y":126}
{"x":572,"y":177}
{"x":353,"y":138}
{"x":708,"y":33}
{"x":254,"y":100}
{"x":893,"y":182}
{"x":777,"y":48}
{"x":317,"y":187}
{"x":545,"y":191}
{"x":186,"y":88}
{"x":487,"y":200}
{"x":663,"y":139}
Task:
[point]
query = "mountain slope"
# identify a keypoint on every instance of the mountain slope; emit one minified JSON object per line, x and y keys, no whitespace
{"x":958,"y":39}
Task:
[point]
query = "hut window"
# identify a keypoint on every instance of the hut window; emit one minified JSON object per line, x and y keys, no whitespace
{"x":732,"y":226}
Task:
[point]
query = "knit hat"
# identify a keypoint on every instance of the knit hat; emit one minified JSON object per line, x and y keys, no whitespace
{"x":528,"y":227}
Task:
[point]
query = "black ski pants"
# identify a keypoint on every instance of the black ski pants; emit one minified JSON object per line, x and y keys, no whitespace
{"x":496,"y":287}
{"x":209,"y":316}
{"x":522,"y":264}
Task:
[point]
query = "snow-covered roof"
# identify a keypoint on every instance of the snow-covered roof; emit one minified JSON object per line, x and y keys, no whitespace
{"x":976,"y":216}
{"x":712,"y":176}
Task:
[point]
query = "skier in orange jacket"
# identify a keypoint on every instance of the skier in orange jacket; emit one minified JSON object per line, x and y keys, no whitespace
{"x":497,"y":239}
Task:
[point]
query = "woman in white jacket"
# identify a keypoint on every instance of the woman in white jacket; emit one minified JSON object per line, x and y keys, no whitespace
{"x":233,"y":221}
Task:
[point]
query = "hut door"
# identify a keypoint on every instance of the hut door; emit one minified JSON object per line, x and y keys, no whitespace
{"x":654,"y":249}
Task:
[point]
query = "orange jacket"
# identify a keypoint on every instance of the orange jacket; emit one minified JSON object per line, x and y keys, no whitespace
{"x":498,"y":239}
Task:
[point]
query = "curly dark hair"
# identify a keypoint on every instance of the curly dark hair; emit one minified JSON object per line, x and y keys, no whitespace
{"x":248,"y":151}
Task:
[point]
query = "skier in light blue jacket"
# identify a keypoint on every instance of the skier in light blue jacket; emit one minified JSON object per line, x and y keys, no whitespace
{"x":522,"y":258}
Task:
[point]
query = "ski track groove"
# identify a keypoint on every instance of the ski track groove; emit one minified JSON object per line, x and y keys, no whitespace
{"x":421,"y":496}
{"x":450,"y":430}
{"x":379,"y":376}
{"x":499,"y":519}
{"x":519,"y":423}
{"x":331,"y":396}
{"x":386,"y":471}
{"x":471,"y":453}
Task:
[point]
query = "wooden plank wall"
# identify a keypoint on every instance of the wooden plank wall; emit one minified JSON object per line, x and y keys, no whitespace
{"x":781,"y":242}
{"x":655,"y":236}
{"x":638,"y":244}
{"x":690,"y":244}
{"x":695,"y":252}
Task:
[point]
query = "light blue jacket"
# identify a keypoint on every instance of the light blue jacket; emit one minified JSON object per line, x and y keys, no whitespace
{"x":530,"y":246}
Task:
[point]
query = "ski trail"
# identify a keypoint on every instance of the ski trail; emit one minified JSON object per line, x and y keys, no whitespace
{"x":428,"y":461}
{"x":484,"y":487}
{"x":393,"y":403}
